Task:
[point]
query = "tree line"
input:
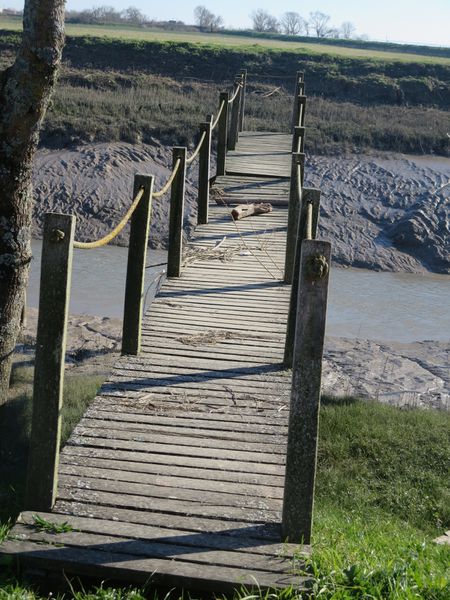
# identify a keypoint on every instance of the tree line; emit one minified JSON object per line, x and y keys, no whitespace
{"x":290,"y":23}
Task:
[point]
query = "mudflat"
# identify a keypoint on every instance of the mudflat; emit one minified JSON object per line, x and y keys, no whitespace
{"x":384,"y":212}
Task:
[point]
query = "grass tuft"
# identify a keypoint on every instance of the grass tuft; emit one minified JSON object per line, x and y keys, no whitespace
{"x":50,"y":527}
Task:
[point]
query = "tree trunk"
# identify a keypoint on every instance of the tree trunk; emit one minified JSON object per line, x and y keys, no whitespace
{"x":25,"y":90}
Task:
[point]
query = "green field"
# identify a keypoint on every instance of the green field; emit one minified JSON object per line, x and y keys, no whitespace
{"x":124,"y":32}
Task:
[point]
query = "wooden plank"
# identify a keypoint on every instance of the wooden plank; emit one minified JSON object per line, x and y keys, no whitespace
{"x":206,"y":483}
{"x":193,"y":420}
{"x":175,"y":427}
{"x":214,"y":419}
{"x":177,"y":446}
{"x":112,"y":565}
{"x":141,"y":452}
{"x":175,"y":435}
{"x":184,"y":494}
{"x":266,"y":532}
{"x":82,"y":456}
{"x":170,"y":506}
{"x":237,"y":540}
{"x":178,"y":552}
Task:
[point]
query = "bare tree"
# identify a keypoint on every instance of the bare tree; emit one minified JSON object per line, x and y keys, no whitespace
{"x":206,"y":20}
{"x":347,"y":30}
{"x":319,"y":23}
{"x":105,"y":14}
{"x":133,"y":15}
{"x":263,"y":21}
{"x":25,"y":90}
{"x":272,"y":24}
{"x":291,"y":23}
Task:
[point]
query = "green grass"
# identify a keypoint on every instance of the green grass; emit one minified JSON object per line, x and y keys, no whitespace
{"x":15,"y":426}
{"x":382,"y":496}
{"x":126,"y":32}
{"x":42,"y":524}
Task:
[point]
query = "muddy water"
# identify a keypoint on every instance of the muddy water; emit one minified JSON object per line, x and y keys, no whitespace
{"x":98,"y":279}
{"x":400,"y":307}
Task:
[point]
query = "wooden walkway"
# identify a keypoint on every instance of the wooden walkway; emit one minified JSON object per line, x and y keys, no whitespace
{"x":175,"y":473}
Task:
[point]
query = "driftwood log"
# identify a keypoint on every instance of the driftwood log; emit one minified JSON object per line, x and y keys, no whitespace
{"x":245,"y":210}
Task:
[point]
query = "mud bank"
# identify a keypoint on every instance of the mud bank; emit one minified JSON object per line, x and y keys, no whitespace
{"x":95,"y":182}
{"x":384,"y":212}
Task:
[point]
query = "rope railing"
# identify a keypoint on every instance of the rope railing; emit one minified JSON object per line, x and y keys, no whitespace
{"x":236,"y":92}
{"x":299,"y":182}
{"x":305,"y":326}
{"x":309,"y":219}
{"x":216,"y":120}
{"x":117,"y":229}
{"x":169,"y":182}
{"x":197,"y":149}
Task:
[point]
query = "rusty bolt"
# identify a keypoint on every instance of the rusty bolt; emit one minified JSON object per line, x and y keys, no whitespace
{"x":316,"y":267}
{"x":57,"y":236}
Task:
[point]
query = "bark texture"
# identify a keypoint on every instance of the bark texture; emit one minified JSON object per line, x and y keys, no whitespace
{"x":25,"y":90}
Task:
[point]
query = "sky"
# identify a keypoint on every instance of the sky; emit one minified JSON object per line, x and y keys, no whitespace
{"x":411,"y":21}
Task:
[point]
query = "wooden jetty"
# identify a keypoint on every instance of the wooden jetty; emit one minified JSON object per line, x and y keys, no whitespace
{"x":176,"y":473}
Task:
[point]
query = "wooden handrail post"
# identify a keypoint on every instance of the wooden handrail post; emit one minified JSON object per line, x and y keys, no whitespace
{"x":301,"y":110}
{"x":204,"y":165}
{"x":301,"y":456}
{"x":234,"y":125}
{"x":176,"y":214}
{"x":309,"y":195}
{"x":56,"y":272}
{"x":293,"y":213}
{"x":298,"y":139}
{"x":299,"y":89}
{"x":137,"y":257}
{"x":243,"y":93}
{"x":222,"y":134}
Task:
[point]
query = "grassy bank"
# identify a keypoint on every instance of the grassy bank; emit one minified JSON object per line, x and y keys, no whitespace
{"x":249,"y":39}
{"x":111,"y":107}
{"x":382,"y":496}
{"x":114,"y":90}
{"x":15,"y":425}
{"x":334,"y":77}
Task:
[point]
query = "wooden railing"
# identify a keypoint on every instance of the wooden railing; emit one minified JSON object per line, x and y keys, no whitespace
{"x":56,"y":271}
{"x":307,"y":266}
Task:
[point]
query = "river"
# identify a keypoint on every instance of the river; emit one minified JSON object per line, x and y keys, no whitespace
{"x":399,"y":307}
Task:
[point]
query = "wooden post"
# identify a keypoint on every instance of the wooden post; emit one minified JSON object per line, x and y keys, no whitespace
{"x":137,"y":257}
{"x":176,"y":214}
{"x":222,"y":134}
{"x":293,"y":212}
{"x":234,"y":125}
{"x":301,"y":456}
{"x":56,"y":271}
{"x":242,"y":106}
{"x":298,"y":90}
{"x":298,"y":139}
{"x":204,"y":165}
{"x":309,"y":196}
{"x":302,"y":110}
